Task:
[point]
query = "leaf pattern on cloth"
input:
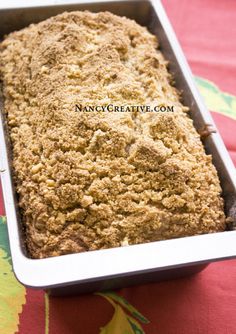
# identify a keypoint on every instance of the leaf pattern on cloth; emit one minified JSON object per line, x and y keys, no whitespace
{"x":215,"y":99}
{"x":121,"y":322}
{"x":12,"y":293}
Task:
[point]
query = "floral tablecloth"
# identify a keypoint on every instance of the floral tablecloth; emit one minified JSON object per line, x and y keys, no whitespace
{"x":200,"y":304}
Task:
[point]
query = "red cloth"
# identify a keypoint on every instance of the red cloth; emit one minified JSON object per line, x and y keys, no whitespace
{"x":206,"y":30}
{"x":201,"y":304}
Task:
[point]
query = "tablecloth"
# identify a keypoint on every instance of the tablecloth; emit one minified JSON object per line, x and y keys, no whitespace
{"x":201,"y":304}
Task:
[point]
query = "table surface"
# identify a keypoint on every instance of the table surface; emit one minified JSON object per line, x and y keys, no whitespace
{"x":201,"y":304}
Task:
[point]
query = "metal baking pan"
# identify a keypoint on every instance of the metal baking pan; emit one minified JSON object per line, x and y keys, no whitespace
{"x":123,"y":266}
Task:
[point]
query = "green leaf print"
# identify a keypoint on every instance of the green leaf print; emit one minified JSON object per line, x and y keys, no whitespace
{"x":12,"y":293}
{"x":215,"y":99}
{"x":121,"y":322}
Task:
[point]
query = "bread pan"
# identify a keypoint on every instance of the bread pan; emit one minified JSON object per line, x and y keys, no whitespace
{"x":137,"y":264}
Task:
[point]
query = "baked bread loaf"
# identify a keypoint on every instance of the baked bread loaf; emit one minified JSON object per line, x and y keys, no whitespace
{"x":93,"y":180}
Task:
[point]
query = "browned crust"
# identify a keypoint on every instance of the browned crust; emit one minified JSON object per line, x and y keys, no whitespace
{"x":88,"y":181}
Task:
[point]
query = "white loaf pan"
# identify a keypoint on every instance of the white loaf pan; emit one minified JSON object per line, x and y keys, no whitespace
{"x":123,"y":266}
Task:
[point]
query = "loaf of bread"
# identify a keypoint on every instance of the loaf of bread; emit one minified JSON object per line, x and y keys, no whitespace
{"x":94,"y":180}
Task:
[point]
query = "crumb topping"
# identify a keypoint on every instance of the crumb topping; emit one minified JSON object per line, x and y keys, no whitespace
{"x":96,"y":180}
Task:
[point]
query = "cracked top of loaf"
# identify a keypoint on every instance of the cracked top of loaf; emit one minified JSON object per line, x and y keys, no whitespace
{"x":93,"y":180}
